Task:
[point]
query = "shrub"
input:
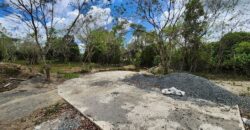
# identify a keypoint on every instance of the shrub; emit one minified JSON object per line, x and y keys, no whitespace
{"x":148,"y":55}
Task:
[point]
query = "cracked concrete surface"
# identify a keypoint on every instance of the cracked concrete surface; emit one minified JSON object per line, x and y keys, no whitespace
{"x":112,"y":103}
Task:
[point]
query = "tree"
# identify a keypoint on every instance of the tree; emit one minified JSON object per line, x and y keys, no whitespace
{"x":105,"y":47}
{"x":148,"y":56}
{"x":161,"y":14}
{"x":62,"y":51}
{"x":242,"y":57}
{"x":7,"y":47}
{"x":226,"y":57}
{"x":194,"y":27}
{"x":225,"y":49}
{"x":39,"y":16}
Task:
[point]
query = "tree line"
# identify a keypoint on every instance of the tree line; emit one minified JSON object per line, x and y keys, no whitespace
{"x":175,"y":42}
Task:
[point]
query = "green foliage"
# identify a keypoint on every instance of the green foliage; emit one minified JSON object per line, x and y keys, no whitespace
{"x":29,"y":51}
{"x":7,"y":48}
{"x":71,"y":75}
{"x":104,"y":47}
{"x":137,"y":59}
{"x":63,"y":52}
{"x":194,"y":27}
{"x":74,"y":52}
{"x":148,"y":56}
{"x":232,"y":53}
{"x":230,"y":39}
{"x":242,"y":56}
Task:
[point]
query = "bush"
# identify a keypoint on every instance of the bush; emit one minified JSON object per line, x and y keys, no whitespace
{"x":63,"y":52}
{"x":242,"y":57}
{"x":148,"y":55}
{"x":30,"y":52}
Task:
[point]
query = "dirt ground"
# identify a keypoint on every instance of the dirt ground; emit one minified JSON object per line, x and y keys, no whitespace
{"x":241,"y":88}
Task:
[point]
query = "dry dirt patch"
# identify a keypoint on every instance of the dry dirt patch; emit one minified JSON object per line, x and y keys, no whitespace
{"x":237,"y":87}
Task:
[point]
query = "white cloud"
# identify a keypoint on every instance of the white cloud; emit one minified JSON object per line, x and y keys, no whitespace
{"x":63,"y":17}
{"x":14,"y":27}
{"x":97,"y":17}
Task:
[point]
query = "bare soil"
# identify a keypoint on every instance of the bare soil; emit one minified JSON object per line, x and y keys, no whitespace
{"x":241,"y":88}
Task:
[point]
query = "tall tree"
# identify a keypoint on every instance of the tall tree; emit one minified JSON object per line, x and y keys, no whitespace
{"x":161,"y":14}
{"x":194,"y":27}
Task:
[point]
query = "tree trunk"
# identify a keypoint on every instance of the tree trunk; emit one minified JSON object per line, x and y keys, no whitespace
{"x":163,"y":57}
{"x":46,"y":67}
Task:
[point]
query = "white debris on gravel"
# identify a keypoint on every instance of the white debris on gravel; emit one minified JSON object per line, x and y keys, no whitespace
{"x":8,"y":84}
{"x":246,"y":121}
{"x":172,"y":91}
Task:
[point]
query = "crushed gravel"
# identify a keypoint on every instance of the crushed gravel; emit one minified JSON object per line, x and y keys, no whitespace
{"x":194,"y":86}
{"x":68,"y":118}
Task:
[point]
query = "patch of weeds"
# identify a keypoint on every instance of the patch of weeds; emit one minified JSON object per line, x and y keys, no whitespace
{"x":10,"y":69}
{"x":52,"y":110}
{"x":71,"y":75}
{"x":86,"y":68}
{"x":48,"y":113}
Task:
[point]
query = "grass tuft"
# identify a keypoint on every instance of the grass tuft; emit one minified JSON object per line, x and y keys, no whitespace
{"x":71,"y":75}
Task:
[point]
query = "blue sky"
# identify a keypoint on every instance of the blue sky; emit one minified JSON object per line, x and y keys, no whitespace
{"x":65,"y":14}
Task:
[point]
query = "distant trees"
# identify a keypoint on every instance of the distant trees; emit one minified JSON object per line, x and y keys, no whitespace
{"x":28,"y":51}
{"x":7,"y":47}
{"x":39,"y":16}
{"x":103,"y":47}
{"x":62,"y":51}
{"x":232,"y":52}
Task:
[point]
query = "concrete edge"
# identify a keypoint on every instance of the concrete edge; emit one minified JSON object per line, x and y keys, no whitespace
{"x":240,"y":120}
{"x":89,"y":118}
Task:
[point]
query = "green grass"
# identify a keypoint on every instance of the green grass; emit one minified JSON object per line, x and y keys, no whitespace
{"x":77,"y":67}
{"x":71,"y":75}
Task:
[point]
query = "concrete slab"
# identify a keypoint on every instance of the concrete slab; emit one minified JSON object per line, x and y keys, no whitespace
{"x":112,"y":103}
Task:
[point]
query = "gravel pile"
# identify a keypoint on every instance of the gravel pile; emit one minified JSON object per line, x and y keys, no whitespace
{"x":194,"y":86}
